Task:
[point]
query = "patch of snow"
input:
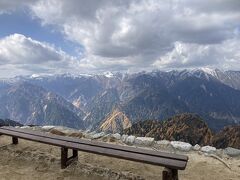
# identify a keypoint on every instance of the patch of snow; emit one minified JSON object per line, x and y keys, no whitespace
{"x":45,"y":107}
{"x":203,"y":87}
{"x":108,"y":74}
{"x":34,"y":76}
{"x":210,"y":71}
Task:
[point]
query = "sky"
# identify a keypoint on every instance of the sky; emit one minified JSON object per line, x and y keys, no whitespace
{"x":94,"y":36}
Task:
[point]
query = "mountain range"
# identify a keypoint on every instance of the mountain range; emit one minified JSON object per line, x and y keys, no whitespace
{"x":114,"y":101}
{"x":189,"y":128}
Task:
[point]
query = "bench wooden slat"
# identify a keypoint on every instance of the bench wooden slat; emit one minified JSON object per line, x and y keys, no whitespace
{"x":100,"y":144}
{"x":149,"y":159}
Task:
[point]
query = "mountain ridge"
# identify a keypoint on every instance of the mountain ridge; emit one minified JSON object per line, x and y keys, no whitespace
{"x":145,"y":95}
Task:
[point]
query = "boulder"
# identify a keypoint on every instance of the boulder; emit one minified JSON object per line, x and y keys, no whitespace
{"x":208,"y":149}
{"x":89,"y":135}
{"x":196,"y":147}
{"x":117,"y":136}
{"x":163,"y":145}
{"x":98,"y":135}
{"x":130,"y":140}
{"x":144,"y":141}
{"x":26,"y":127}
{"x":182,"y":146}
{"x":47,"y":128}
{"x":233,"y":152}
{"x":106,"y":138}
{"x":66,"y":130}
{"x":57,"y":132}
{"x":124,"y":137}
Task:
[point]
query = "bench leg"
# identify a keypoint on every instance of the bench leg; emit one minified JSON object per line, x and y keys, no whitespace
{"x":14,"y":140}
{"x":65,"y":160}
{"x":64,"y":157}
{"x":170,"y":174}
{"x":75,"y":154}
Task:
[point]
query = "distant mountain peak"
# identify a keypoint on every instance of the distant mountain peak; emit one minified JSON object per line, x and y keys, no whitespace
{"x":115,"y":122}
{"x":108,"y":74}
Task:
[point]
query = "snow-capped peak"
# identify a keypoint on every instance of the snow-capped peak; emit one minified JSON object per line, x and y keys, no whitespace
{"x":209,"y":71}
{"x":108,"y":74}
{"x":34,"y":76}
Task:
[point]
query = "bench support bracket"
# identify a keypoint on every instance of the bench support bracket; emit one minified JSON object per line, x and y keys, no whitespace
{"x":170,"y":174}
{"x":65,"y":160}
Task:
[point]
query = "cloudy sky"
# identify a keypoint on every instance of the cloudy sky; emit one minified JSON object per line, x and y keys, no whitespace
{"x":93,"y":36}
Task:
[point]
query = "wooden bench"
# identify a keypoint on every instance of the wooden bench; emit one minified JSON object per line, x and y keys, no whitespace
{"x":171,"y":162}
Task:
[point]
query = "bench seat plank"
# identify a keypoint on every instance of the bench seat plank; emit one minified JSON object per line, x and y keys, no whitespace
{"x":128,"y":155}
{"x":101,"y":144}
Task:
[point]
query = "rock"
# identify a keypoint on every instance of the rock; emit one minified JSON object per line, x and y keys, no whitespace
{"x":47,"y":128}
{"x":76,"y":134}
{"x":107,"y":135}
{"x":98,"y":135}
{"x":164,"y":145}
{"x":124,"y":137}
{"x":233,"y":152}
{"x":37,"y":128}
{"x":130,"y":140}
{"x":57,"y":132}
{"x":196,"y":147}
{"x":208,"y":149}
{"x":144,"y":141}
{"x":66,"y":130}
{"x":163,"y":142}
{"x":89,"y":135}
{"x":106,"y":138}
{"x":182,"y":146}
{"x":25,"y":127}
{"x":117,"y":136}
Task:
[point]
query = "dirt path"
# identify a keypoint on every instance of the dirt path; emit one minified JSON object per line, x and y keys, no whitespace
{"x":29,"y":160}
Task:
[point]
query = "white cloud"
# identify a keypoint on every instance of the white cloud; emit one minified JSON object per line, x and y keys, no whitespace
{"x":129,"y":35}
{"x":225,"y":55}
{"x":138,"y":33}
{"x":24,"y":55}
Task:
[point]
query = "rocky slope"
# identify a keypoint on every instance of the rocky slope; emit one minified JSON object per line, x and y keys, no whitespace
{"x":228,"y":137}
{"x":213,"y":94}
{"x":116,"y":121}
{"x":185,"y":127}
{"x":29,"y":104}
{"x":8,"y":122}
{"x":188,"y":128}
